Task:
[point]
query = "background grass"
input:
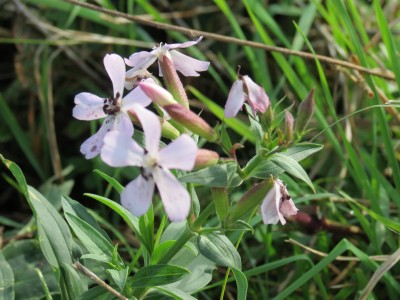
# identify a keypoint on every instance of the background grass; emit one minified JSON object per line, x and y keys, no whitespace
{"x":52,"y":50}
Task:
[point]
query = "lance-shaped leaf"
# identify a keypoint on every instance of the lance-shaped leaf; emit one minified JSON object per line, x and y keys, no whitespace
{"x":155,"y":275}
{"x":292,"y":167}
{"x":219,"y":249}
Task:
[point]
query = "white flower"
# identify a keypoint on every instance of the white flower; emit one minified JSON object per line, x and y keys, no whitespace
{"x":277,"y":204}
{"x":120,"y":151}
{"x":187,"y":65}
{"x":245,"y":89}
{"x":114,"y":109}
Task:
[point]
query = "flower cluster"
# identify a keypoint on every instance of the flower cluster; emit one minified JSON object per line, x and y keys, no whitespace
{"x":114,"y":143}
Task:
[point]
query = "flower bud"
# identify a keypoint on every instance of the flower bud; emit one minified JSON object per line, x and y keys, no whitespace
{"x":206,"y":158}
{"x":267,"y":117}
{"x":191,"y":121}
{"x":305,"y":112}
{"x":157,"y":94}
{"x":172,"y":80}
{"x":289,"y":123}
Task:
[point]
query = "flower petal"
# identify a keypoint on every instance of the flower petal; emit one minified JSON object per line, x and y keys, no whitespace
{"x":151,"y":126}
{"x":175,"y":197}
{"x":257,"y":97}
{"x":137,"y":96}
{"x":123,"y":124}
{"x":270,"y":206}
{"x":139,"y":58}
{"x":88,"y":107}
{"x":187,"y":65}
{"x":182,"y":45}
{"x":92,"y":146}
{"x":235,"y":100}
{"x":180,"y":154}
{"x":120,"y":150}
{"x":115,"y":68}
{"x":142,"y":59}
{"x":288,"y":208}
{"x":137,"y":195}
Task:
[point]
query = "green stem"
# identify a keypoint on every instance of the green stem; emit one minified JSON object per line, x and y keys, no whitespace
{"x":202,"y":218}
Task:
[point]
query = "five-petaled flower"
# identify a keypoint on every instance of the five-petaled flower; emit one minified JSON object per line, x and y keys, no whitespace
{"x":120,"y":150}
{"x":277,"y":204}
{"x":187,"y":65}
{"x":245,"y":89}
{"x":114,"y":109}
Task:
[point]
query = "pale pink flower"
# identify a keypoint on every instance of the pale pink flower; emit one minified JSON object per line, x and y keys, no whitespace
{"x":114,"y":109}
{"x":120,"y":150}
{"x":245,"y":89}
{"x":187,"y":65}
{"x":277,"y":204}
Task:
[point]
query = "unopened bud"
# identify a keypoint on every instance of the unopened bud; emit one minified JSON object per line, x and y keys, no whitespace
{"x":206,"y":158}
{"x":191,"y":121}
{"x":289,"y":124}
{"x":157,"y":94}
{"x":305,"y":112}
{"x":267,"y":117}
{"x":172,"y":81}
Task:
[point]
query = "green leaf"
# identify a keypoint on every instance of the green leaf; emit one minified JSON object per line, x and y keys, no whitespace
{"x":265,"y":168}
{"x":188,"y":257}
{"x":292,"y":167}
{"x":395,"y":226}
{"x":119,"y":277}
{"x":114,"y":183}
{"x":54,"y":235}
{"x":6,"y":279}
{"x":76,"y":209}
{"x":99,"y":257}
{"x":241,"y":282}
{"x":127,"y":216}
{"x":175,"y":293}
{"x":146,"y":226}
{"x":225,"y":139}
{"x":73,"y":283}
{"x":155,"y":275}
{"x":159,"y":251}
{"x":255,"y":125}
{"x":240,"y":225}
{"x":25,"y":257}
{"x":95,"y":242}
{"x":219,"y":249}
{"x":215,"y":176}
{"x":46,"y":290}
{"x":96,"y":293}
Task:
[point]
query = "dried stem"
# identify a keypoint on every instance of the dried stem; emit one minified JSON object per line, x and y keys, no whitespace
{"x":338,"y":258}
{"x":227,"y":39}
{"x":81,"y":268}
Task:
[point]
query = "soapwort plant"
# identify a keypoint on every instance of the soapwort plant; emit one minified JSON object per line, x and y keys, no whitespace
{"x":174,"y":152}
